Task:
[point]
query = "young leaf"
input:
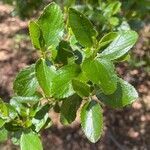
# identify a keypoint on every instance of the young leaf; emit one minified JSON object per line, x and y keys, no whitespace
{"x":69,"y":108}
{"x":112,"y":9}
{"x":30,"y":141}
{"x":51,"y":24}
{"x":82,"y":28}
{"x":107,"y":39}
{"x":36,"y":35}
{"x":101,"y":72}
{"x":26,"y":83}
{"x":62,"y":85}
{"x":116,"y":7}
{"x":12,"y":113}
{"x":64,"y":52}
{"x":120,"y":46}
{"x":125,"y":94}
{"x":81,"y":88}
{"x":20,"y":108}
{"x":92,"y":120}
{"x":45,"y":75}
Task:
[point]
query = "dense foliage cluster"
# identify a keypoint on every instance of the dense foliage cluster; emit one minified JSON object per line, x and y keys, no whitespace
{"x":74,"y":74}
{"x":110,"y":12}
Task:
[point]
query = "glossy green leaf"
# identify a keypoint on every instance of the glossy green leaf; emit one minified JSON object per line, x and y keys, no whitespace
{"x":112,"y":9}
{"x":26,"y":83}
{"x":69,"y":109}
{"x":3,"y":134}
{"x":120,"y":46}
{"x":107,"y":39}
{"x":45,"y":75}
{"x":51,"y":24}
{"x":41,"y":118}
{"x":82,"y":28}
{"x":101,"y":72}
{"x":81,"y":88}
{"x":28,"y":99}
{"x":62,"y":83}
{"x":92,"y":120}
{"x":36,"y":35}
{"x":39,"y":124}
{"x":125,"y":94}
{"x":30,"y":141}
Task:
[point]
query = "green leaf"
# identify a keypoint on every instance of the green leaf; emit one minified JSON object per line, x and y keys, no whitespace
{"x":120,"y":46}
{"x":82,"y":28}
{"x":81,"y":88}
{"x":28,"y":99}
{"x":36,"y":35}
{"x":20,"y":108}
{"x":125,"y":57}
{"x":42,"y":111}
{"x":26,"y":83}
{"x":45,"y":75}
{"x":3,"y":134}
{"x":116,"y":7}
{"x":114,"y":21}
{"x":40,"y":123}
{"x":125,"y":94}
{"x":112,"y":9}
{"x":30,"y":141}
{"x":41,"y":118}
{"x":12,"y":126}
{"x":62,"y":83}
{"x":69,"y":3}
{"x":12,"y":113}
{"x":92,"y":120}
{"x":3,"y":109}
{"x":69,"y":109}
{"x":64,"y":52}
{"x":101,"y":72}
{"x":107,"y":39}
{"x":2,"y":122}
{"x":51,"y":24}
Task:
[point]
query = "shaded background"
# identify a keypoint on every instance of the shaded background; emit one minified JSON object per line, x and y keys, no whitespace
{"x":126,"y":129}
